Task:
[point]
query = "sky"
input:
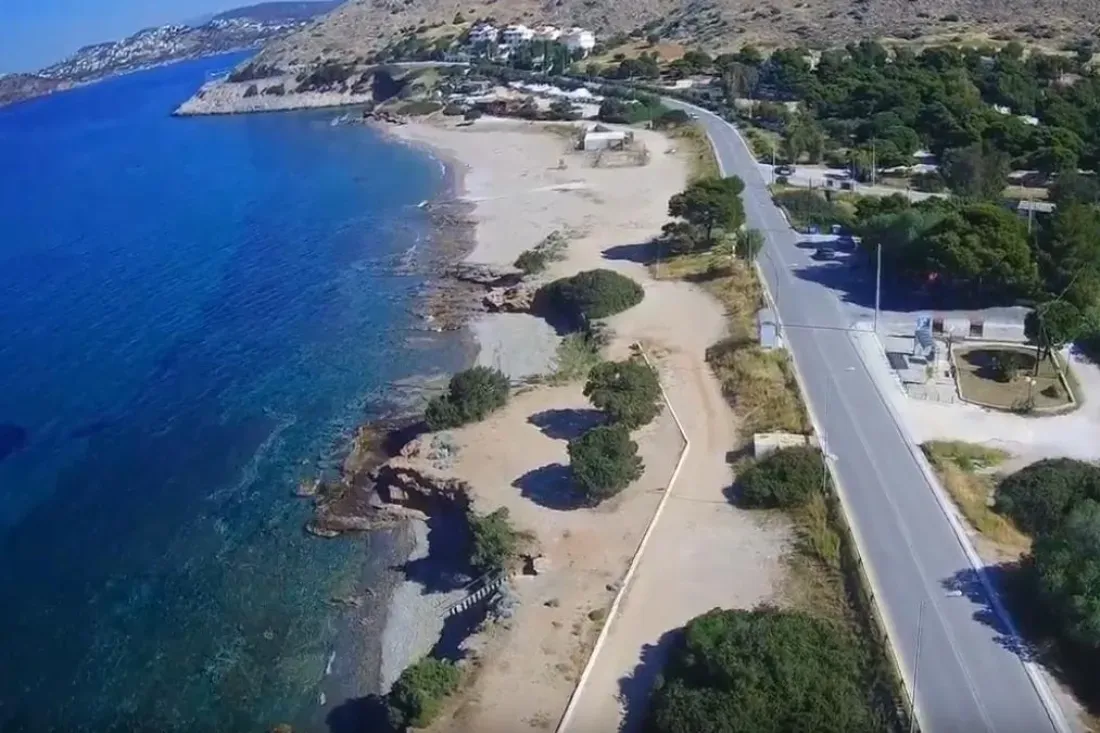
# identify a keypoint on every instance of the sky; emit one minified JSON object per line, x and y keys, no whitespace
{"x":36,"y":33}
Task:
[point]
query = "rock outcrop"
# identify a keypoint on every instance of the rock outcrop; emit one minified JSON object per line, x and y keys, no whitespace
{"x":509,"y":300}
{"x":394,"y":492}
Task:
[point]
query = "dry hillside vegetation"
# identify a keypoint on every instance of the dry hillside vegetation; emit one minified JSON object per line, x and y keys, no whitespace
{"x":361,"y":26}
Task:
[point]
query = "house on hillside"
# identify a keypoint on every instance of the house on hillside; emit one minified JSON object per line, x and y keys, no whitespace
{"x":578,"y":39}
{"x":483,"y":33}
{"x":515,"y":35}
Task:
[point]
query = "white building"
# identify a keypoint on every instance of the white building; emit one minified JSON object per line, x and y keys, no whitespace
{"x":514,"y":35}
{"x":548,"y":33}
{"x":579,"y":39}
{"x":483,"y":33}
{"x":597,"y":139}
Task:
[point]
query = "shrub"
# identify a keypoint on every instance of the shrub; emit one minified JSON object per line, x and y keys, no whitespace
{"x":252,"y":91}
{"x":785,"y":478}
{"x":928,"y":181}
{"x":472,"y":114}
{"x":672,"y":118}
{"x":471,"y":395}
{"x":806,"y":208}
{"x":277,"y":90}
{"x":762,"y":670}
{"x":1067,"y":564}
{"x":535,"y":260}
{"x":419,"y":692}
{"x":604,"y":461}
{"x":496,"y":543}
{"x":418,"y":107}
{"x":590,"y":294}
{"x":628,"y":391}
{"x":1038,"y":497}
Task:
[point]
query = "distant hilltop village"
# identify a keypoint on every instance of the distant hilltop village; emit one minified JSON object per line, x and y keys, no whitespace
{"x":512,"y":36}
{"x":233,"y":30}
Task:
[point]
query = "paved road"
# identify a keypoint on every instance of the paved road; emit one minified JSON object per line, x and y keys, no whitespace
{"x":966,"y":676}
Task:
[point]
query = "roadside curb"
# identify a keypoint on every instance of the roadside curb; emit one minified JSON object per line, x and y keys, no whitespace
{"x":1053,"y":708}
{"x":854,"y":532}
{"x":624,"y":584}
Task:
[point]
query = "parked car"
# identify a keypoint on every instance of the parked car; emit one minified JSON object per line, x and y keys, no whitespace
{"x":784,"y":170}
{"x":824,"y":253}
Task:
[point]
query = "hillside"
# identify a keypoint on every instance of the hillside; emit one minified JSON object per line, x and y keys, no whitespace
{"x":15,"y":87}
{"x":277,"y":11}
{"x":360,"y":26}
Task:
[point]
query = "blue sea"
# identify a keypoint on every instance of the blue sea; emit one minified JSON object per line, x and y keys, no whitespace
{"x":194,"y":316}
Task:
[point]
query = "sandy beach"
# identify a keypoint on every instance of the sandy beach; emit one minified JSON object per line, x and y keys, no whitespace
{"x":526,"y":181}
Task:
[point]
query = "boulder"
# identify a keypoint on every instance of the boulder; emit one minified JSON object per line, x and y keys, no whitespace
{"x":508,"y":300}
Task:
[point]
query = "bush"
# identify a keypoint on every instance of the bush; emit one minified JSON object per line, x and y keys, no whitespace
{"x":252,"y":91}
{"x":535,"y":260}
{"x":672,"y":118}
{"x":628,"y":391}
{"x":1038,"y":497}
{"x":929,"y":182}
{"x":418,"y":107}
{"x":807,"y":208}
{"x":1067,"y":564}
{"x":785,"y":478}
{"x":762,"y":670}
{"x":496,"y":543}
{"x":419,"y":692}
{"x":472,"y":114}
{"x":590,"y":294}
{"x":471,"y":395}
{"x":277,"y":90}
{"x":604,"y":461}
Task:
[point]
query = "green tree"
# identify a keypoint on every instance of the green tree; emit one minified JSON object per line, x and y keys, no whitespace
{"x":679,"y":237}
{"x":628,"y":391}
{"x":976,"y":172}
{"x":1068,"y":255}
{"x":748,"y":244}
{"x":495,"y":544}
{"x":418,"y":694}
{"x":1073,"y":187}
{"x":604,"y":461}
{"x":1067,"y":562}
{"x":1052,"y":325}
{"x":786,"y":477}
{"x":710,"y":204}
{"x":763,"y":670}
{"x":589,"y":294}
{"x":981,"y":248}
{"x":471,"y":395}
{"x":1039,"y":496}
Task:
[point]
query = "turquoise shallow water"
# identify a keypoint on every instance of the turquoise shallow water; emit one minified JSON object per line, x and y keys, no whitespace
{"x":193,"y":312}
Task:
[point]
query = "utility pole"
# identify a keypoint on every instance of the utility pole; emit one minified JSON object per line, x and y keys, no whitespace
{"x":916,"y":666}
{"x":878,"y":284}
{"x":874,"y":167}
{"x":773,"y":164}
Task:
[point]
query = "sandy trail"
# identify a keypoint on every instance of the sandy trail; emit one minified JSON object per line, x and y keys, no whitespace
{"x":704,"y":552}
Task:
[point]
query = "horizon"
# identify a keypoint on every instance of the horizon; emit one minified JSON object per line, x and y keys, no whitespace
{"x":36,"y":35}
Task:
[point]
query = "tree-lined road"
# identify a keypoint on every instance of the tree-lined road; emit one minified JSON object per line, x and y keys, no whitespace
{"x":967,"y":677}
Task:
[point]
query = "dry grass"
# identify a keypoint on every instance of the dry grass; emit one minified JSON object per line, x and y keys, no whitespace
{"x":693,"y":141}
{"x":759,"y":384}
{"x":964,"y":470}
{"x":762,"y":142}
{"x":978,"y":380}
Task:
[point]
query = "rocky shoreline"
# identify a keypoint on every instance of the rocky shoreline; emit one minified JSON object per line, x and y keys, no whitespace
{"x":221,"y":97}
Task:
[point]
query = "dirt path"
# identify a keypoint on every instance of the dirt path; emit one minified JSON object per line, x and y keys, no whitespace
{"x":703,"y":552}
